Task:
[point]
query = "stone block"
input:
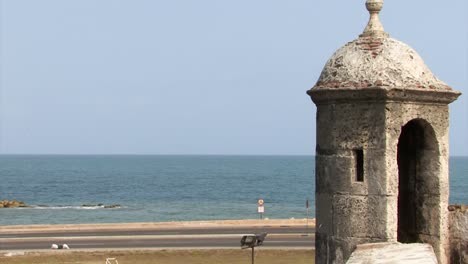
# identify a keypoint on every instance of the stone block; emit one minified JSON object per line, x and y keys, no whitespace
{"x":351,"y":126}
{"x":360,"y":216}
{"x":458,"y":229}
{"x":429,"y":215}
{"x":392,"y":218}
{"x":393,"y":253}
{"x":458,"y":252}
{"x":458,"y":221}
{"x":336,"y":174}
{"x":322,"y":248}
{"x":430,"y":181}
{"x":375,"y":172}
{"x":324,"y":213}
{"x":331,"y":249}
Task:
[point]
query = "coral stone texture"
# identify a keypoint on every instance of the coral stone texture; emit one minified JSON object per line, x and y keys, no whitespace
{"x":458,"y":234}
{"x":382,"y":148}
{"x":378,"y":62}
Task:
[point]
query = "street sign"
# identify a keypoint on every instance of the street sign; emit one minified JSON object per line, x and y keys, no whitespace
{"x":260,"y":202}
{"x":307,"y":216}
{"x":261,"y":210}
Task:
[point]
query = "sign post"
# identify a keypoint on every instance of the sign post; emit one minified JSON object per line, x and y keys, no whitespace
{"x":261,"y":208}
{"x":307,"y":216}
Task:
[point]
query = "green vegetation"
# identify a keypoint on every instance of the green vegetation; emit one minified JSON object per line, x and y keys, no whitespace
{"x":196,"y":256}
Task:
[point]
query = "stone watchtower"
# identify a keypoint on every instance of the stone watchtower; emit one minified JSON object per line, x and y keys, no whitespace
{"x":382,"y":147}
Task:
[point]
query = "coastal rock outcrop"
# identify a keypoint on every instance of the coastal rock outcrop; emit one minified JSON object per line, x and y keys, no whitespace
{"x":12,"y":204}
{"x":112,"y":206}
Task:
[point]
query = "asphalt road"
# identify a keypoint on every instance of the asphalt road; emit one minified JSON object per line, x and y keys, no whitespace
{"x":280,"y":237}
{"x":166,"y":231}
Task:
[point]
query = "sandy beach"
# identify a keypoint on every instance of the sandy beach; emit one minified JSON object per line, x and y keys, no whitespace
{"x":159,"y":225}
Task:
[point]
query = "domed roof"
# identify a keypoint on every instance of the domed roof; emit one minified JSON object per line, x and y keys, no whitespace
{"x":377,"y":60}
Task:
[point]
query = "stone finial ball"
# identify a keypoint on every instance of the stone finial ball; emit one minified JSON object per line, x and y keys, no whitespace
{"x":374,"y":5}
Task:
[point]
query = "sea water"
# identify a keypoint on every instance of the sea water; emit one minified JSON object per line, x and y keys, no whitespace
{"x":154,"y":188}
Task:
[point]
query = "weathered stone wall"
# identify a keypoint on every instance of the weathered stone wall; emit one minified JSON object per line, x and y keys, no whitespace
{"x":458,"y":227}
{"x":434,"y":166}
{"x":350,"y":212}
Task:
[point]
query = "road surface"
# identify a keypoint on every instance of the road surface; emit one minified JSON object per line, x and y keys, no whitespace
{"x":203,"y":237}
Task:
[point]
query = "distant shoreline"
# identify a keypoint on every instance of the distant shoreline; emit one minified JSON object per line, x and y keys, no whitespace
{"x":173,"y":155}
{"x":158,"y":155}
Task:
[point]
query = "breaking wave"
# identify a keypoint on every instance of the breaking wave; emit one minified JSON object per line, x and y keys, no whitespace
{"x":74,"y":207}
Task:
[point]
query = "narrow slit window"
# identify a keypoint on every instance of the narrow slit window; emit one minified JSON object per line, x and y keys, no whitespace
{"x":359,"y":156}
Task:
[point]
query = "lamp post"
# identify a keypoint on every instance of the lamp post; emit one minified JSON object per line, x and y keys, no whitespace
{"x":252,"y":241}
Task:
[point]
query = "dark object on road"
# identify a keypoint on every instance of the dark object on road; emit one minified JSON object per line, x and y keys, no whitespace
{"x":251,"y":241}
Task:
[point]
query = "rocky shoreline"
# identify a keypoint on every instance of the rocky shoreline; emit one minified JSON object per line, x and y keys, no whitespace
{"x":12,"y":204}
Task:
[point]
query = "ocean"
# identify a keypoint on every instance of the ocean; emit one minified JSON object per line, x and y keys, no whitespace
{"x":155,"y":188}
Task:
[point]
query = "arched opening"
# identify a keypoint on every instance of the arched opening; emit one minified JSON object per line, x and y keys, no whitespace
{"x":418,"y":188}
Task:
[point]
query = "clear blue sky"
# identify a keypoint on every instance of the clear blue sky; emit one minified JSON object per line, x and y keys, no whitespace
{"x":196,"y":77}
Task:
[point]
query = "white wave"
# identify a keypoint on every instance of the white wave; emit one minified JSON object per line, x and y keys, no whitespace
{"x":61,"y":207}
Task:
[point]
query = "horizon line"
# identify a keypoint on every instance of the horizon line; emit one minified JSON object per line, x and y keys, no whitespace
{"x":162,"y":154}
{"x":144,"y":154}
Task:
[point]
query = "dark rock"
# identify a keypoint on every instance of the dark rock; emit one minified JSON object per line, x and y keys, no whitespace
{"x":112,"y":206}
